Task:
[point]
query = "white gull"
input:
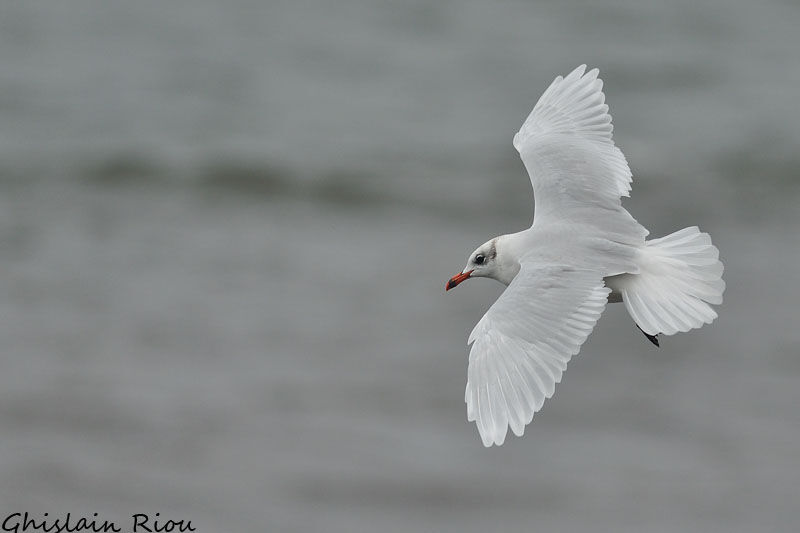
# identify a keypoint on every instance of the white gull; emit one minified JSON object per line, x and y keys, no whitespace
{"x":582,"y":250}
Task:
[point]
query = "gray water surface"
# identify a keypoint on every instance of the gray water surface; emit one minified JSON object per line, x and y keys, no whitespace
{"x":226,"y":229}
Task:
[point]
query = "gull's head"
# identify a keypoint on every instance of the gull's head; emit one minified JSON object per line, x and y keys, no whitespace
{"x":482,"y":263}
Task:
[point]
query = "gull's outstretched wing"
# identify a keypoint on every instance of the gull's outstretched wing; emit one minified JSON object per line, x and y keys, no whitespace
{"x":578,"y":175}
{"x":523,"y":343}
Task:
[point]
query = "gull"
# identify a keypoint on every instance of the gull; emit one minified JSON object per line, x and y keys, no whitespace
{"x":582,"y":251}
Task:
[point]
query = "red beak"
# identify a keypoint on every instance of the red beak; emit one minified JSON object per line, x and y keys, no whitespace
{"x":458,"y":278}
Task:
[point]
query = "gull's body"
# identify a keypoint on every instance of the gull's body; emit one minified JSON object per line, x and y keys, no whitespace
{"x":582,"y":250}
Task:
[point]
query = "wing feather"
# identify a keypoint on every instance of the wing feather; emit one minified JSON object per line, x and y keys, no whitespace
{"x":522,"y":345}
{"x":577,"y":172}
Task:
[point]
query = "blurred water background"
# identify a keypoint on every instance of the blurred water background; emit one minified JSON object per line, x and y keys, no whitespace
{"x":226,"y":227}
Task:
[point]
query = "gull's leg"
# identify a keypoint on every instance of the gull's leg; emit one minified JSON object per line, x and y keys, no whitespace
{"x":651,"y":338}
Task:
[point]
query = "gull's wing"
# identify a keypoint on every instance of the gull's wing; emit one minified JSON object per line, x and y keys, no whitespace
{"x":523,"y":343}
{"x":578,"y":175}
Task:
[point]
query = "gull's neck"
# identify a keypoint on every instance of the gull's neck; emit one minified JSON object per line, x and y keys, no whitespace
{"x":510,"y":248}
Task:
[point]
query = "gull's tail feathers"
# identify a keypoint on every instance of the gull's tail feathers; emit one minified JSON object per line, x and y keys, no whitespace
{"x":680,"y":275}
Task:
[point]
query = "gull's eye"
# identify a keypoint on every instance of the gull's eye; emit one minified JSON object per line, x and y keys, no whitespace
{"x":479,"y":259}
